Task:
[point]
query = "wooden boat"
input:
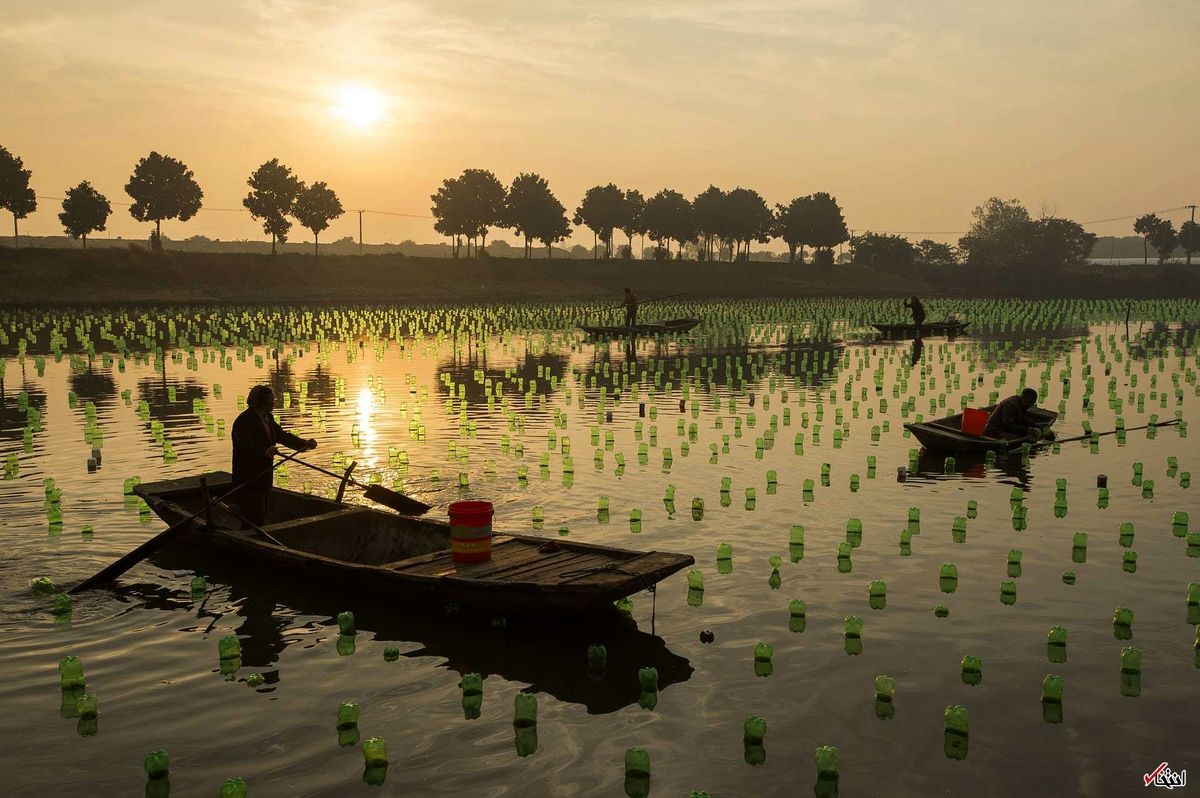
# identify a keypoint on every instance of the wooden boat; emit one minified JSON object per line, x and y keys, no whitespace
{"x":371,"y":550}
{"x":946,"y":435}
{"x":928,"y":328}
{"x":658,"y":328}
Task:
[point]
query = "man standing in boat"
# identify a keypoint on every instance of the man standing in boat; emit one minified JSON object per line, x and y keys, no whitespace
{"x":630,"y":308}
{"x":918,"y":310}
{"x":256,"y":435}
{"x":1011,"y":417}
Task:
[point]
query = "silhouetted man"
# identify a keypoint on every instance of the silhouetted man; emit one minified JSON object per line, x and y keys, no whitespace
{"x":255,"y":437}
{"x":1011,"y":417}
{"x":918,"y":310}
{"x":630,"y":308}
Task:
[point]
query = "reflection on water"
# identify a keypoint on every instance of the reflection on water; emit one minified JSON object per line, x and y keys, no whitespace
{"x":770,"y":428}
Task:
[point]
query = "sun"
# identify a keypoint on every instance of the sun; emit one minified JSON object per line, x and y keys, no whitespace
{"x":360,"y":107}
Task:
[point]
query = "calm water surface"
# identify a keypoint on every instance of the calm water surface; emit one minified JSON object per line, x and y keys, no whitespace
{"x":485,"y":391}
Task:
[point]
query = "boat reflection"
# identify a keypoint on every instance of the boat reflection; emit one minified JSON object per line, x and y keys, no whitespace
{"x":550,"y":658}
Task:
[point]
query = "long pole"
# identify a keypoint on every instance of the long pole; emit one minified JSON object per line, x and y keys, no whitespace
{"x":1191,"y":227}
{"x":360,"y":251}
{"x":1111,"y":432}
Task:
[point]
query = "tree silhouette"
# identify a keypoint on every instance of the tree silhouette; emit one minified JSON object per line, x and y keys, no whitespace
{"x":631,"y":219}
{"x":467,"y":206}
{"x":601,"y":211}
{"x":534,"y":212}
{"x":273,"y":192}
{"x":825,"y":226}
{"x":84,"y":210}
{"x":935,"y":253}
{"x":1158,"y":233}
{"x":314,"y":208}
{"x":16,"y":196}
{"x":711,"y":217}
{"x":668,"y":215}
{"x":1058,"y":242}
{"x":791,"y":226}
{"x":1189,"y":238}
{"x":748,"y":219}
{"x":883,"y":251}
{"x":162,"y":188}
{"x":1000,"y":238}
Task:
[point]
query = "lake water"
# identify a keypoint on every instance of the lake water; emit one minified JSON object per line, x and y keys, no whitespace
{"x":485,"y":391}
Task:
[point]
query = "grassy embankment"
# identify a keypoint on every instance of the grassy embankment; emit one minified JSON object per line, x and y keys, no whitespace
{"x":110,"y":276}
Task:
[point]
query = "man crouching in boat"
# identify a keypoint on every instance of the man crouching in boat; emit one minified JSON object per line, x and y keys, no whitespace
{"x":1011,"y":417}
{"x":255,"y":436}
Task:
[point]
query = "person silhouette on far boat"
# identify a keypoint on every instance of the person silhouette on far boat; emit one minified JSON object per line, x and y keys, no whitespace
{"x":630,"y":308}
{"x":256,"y":436}
{"x":918,"y":310}
{"x":1011,"y":417}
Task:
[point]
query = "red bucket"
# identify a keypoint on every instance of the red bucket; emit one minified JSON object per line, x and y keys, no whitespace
{"x":471,"y":531}
{"x":974,"y":421}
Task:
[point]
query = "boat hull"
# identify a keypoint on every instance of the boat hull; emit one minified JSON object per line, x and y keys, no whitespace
{"x":946,"y":435}
{"x":914,"y":331}
{"x":353,"y":546}
{"x":665,"y":328}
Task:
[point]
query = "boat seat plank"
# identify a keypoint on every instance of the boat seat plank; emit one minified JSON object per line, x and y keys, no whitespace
{"x":497,"y":566}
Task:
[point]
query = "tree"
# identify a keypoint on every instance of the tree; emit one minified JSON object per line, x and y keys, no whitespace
{"x":16,"y":196}
{"x":825,"y":226}
{"x":631,"y":219}
{"x":935,"y":253}
{"x":467,"y":205}
{"x":315,"y":207}
{"x":1158,"y":233}
{"x":747,"y":218}
{"x":555,"y":228}
{"x":601,"y":211}
{"x":534,"y":212}
{"x":1189,"y":239}
{"x":273,"y":191}
{"x":1001,"y":238}
{"x":162,"y":188}
{"x":883,"y":251}
{"x":791,"y":225}
{"x":710,"y":213}
{"x":1059,"y":242}
{"x":84,"y":210}
{"x":668,"y":215}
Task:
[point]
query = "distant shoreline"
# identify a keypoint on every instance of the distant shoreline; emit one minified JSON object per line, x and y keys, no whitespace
{"x":108,"y":276}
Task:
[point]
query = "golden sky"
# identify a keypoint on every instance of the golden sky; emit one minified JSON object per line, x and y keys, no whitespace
{"x":910,"y":112}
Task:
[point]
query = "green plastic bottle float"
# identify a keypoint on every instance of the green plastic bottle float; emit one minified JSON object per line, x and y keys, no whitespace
{"x":157,"y":765}
{"x":956,"y":732}
{"x":877,"y":594}
{"x":234,"y":787}
{"x":637,"y":773}
{"x":1052,"y":699}
{"x":1123,"y":623}
{"x":1008,"y":592}
{"x":948,"y":577}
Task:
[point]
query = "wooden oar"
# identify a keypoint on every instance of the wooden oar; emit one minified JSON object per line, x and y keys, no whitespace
{"x":162,"y":538}
{"x":1110,"y":432}
{"x":405,"y":505}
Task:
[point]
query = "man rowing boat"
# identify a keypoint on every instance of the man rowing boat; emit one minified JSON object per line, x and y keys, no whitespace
{"x":255,"y":436}
{"x":1011,"y":417}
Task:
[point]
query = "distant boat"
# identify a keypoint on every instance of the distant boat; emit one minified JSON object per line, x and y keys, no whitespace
{"x":658,"y":328}
{"x":364,"y":549}
{"x":946,"y":435}
{"x":928,"y":328}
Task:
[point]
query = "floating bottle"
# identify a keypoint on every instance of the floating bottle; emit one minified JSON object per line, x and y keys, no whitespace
{"x":374,"y":751}
{"x":525,"y":710}
{"x":948,"y":577}
{"x":157,"y":764}
{"x":754,"y":729}
{"x":346,"y":624}
{"x":885,"y":688}
{"x":877,"y":594}
{"x":941,"y":611}
{"x":70,"y":672}
{"x":1008,"y":592}
{"x":972,"y":670}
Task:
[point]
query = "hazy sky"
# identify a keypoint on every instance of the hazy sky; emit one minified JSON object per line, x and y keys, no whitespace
{"x":910,"y":112}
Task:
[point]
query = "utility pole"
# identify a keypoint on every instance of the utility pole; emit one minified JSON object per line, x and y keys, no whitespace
{"x":1191,"y":227}
{"x":360,"y":213}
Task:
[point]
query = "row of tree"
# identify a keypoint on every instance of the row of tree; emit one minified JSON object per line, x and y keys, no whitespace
{"x":162,"y":187}
{"x":1160,"y":234}
{"x":718,"y":224}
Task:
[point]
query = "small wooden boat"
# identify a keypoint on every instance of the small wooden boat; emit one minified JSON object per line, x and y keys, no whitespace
{"x":946,"y":435}
{"x":928,"y":328}
{"x":370,"y":550}
{"x":658,"y":328}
